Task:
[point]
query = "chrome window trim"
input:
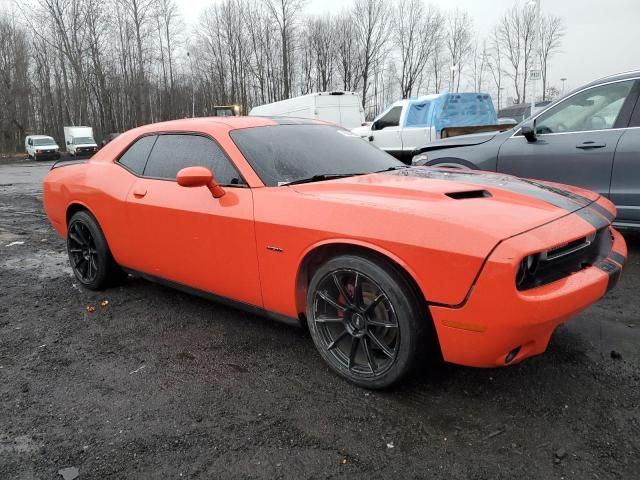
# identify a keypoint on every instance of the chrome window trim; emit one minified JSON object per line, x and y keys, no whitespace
{"x":634,"y":79}
{"x":579,"y":131}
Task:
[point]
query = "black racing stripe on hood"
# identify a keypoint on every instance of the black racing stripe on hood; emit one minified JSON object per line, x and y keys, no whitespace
{"x":603,"y":211}
{"x":552,"y":195}
{"x":595,"y":219}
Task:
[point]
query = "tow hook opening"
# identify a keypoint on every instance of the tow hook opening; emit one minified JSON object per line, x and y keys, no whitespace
{"x":512,"y":354}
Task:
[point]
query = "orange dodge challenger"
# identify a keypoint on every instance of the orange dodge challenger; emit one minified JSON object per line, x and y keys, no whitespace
{"x":304,"y":221}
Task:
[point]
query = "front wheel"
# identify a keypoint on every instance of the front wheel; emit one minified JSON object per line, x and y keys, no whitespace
{"x":89,"y":254}
{"x":366,"y":320}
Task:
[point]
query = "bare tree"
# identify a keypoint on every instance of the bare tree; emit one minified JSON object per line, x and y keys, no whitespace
{"x":284,"y":12}
{"x":459,"y":44}
{"x":347,"y":61}
{"x":168,"y":23}
{"x":322,"y":38}
{"x":369,"y":19}
{"x":552,"y":31}
{"x":438,"y":58}
{"x":515,"y":34}
{"x":14,"y":84}
{"x":116,"y":64}
{"x":494,"y":64}
{"x":480,"y":64}
{"x":414,"y":33}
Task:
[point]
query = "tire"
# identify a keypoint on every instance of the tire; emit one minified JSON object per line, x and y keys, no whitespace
{"x":89,"y":255}
{"x":379,"y":312}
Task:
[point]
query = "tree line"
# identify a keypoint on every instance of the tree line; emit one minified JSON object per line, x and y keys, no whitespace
{"x":116,"y":64}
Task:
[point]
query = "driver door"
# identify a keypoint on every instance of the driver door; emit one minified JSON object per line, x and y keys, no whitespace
{"x":576,"y":139}
{"x":187,"y":236}
{"x":385,"y":131}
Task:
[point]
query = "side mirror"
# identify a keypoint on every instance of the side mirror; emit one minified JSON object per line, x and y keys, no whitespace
{"x":68,"y":142}
{"x":528,"y":130}
{"x":199,"y":177}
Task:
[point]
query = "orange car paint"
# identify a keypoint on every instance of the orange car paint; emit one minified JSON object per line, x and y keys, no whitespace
{"x":249,"y":244}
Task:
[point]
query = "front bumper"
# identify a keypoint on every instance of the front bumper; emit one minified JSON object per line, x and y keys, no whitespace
{"x":499,"y":325}
{"x":47,"y":155}
{"x":86,"y":150}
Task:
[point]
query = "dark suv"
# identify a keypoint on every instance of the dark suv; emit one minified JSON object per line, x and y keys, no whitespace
{"x":589,"y":138}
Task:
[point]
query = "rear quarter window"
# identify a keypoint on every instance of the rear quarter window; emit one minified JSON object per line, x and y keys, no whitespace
{"x":135,"y":158}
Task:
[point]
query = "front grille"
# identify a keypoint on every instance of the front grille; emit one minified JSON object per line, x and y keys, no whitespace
{"x":563,"y":260}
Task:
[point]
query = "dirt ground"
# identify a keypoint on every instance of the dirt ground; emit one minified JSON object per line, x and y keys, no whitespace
{"x":159,"y":384}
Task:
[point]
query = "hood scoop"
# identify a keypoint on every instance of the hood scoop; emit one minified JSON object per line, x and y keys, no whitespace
{"x":467,"y":194}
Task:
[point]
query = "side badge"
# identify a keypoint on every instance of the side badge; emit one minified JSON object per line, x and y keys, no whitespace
{"x":274,"y":249}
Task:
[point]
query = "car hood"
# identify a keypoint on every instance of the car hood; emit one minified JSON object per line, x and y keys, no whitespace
{"x":459,"y":141}
{"x":501,"y":205}
{"x":362,"y":131}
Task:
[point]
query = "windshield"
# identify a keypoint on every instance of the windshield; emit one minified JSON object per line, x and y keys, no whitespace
{"x":38,"y":142}
{"x":83,"y":140}
{"x":288,"y":153}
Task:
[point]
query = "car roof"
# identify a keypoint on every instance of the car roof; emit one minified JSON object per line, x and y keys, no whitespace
{"x":615,"y":77}
{"x":40,"y":136}
{"x":231,"y":123}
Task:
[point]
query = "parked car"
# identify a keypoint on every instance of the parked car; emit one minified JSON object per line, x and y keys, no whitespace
{"x":408,"y":124}
{"x":79,"y":141}
{"x":303,"y":221}
{"x":520,"y":111}
{"x":589,"y":138}
{"x":41,"y":147}
{"x":342,"y":108}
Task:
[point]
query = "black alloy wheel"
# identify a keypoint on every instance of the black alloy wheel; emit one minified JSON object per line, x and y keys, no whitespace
{"x":82,"y":252}
{"x":89,"y":255}
{"x":365,"y":320}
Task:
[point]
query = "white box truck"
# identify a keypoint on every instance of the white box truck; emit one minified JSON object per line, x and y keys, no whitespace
{"x":79,"y":141}
{"x":341,"y":108}
{"x":41,"y":147}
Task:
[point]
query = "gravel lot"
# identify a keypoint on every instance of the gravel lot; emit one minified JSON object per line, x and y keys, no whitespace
{"x":156,"y":383}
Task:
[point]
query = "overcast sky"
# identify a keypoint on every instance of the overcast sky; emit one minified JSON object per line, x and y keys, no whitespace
{"x":603,"y":36}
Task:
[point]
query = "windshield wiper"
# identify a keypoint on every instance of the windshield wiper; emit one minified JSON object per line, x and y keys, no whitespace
{"x":390,"y":169}
{"x":320,"y":177}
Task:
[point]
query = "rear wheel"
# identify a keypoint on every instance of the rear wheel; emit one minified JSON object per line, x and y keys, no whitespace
{"x":89,"y":254}
{"x":365,"y":320}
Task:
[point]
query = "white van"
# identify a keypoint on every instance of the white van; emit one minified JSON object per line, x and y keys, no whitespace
{"x":79,"y":141}
{"x":41,"y":147}
{"x":341,"y":108}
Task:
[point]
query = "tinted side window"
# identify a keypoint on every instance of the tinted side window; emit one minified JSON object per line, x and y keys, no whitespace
{"x":390,"y":119}
{"x":594,"y":109}
{"x":172,"y":153}
{"x":136,"y":156}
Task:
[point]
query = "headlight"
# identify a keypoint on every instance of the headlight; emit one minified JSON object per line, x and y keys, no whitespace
{"x":37,"y":151}
{"x":419,"y":158}
{"x":527,"y":270}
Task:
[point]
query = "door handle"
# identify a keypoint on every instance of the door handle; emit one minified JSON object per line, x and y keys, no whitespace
{"x":139,"y":192}
{"x":590,"y":145}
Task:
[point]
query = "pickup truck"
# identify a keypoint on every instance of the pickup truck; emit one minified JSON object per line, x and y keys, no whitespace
{"x":411,"y":123}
